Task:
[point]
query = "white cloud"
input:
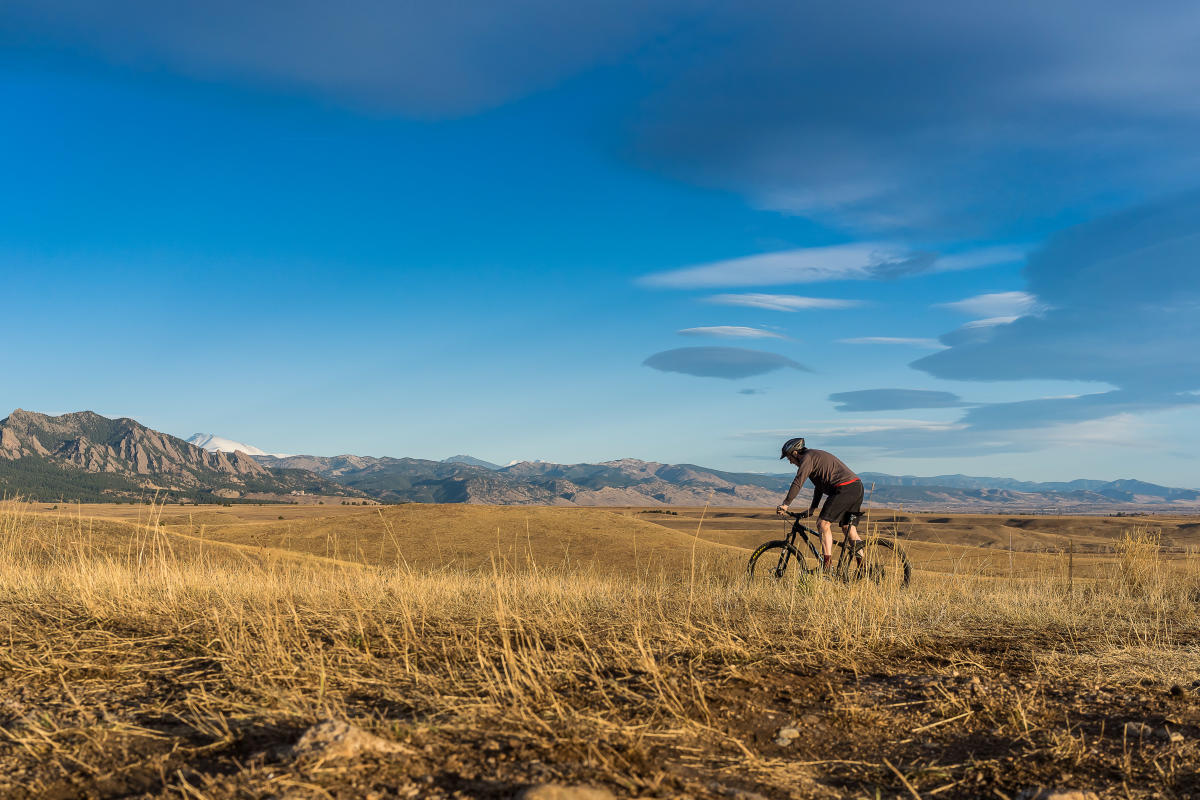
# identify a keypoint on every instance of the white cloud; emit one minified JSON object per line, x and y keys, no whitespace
{"x":807,"y":265}
{"x":990,"y":322}
{"x":732,"y":332}
{"x":916,"y":342}
{"x":826,"y":427}
{"x":1122,"y":430}
{"x":843,"y":262}
{"x":996,"y":304}
{"x":781,"y":302}
{"x":881,"y":426}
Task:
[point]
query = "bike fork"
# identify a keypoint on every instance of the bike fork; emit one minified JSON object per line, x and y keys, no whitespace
{"x":783,"y":562}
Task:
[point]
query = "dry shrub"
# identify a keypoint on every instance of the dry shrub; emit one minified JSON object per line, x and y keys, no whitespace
{"x":1139,"y":569}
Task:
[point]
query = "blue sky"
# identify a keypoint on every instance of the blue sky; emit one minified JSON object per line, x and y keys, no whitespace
{"x":959,"y":239}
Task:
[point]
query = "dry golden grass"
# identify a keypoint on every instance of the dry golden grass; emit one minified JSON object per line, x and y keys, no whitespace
{"x":146,"y":660}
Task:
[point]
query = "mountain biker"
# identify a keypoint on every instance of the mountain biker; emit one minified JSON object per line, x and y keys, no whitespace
{"x":830,"y":477}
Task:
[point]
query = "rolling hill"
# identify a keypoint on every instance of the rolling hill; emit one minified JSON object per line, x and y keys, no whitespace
{"x":462,"y":536}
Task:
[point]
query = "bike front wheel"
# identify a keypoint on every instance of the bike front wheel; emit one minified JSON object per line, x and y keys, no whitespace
{"x":772,"y":561}
{"x":882,"y":562}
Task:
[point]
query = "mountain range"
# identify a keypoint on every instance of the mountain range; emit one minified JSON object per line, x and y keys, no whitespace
{"x":627,"y":482}
{"x":630,"y":482}
{"x":88,"y":457}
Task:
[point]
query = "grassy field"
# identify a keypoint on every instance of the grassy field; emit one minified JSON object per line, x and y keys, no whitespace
{"x":183,"y":652}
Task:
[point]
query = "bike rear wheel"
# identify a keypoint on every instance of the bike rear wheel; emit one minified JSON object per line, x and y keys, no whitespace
{"x":883,"y":562}
{"x":773,"y":561}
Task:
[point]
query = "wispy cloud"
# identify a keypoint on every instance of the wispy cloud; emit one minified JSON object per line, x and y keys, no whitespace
{"x":859,"y":261}
{"x":781,"y":302}
{"x":904,"y":340}
{"x":731,"y":332}
{"x":996,"y":305}
{"x":990,"y":322}
{"x":720,"y":362}
{"x":807,"y":265}
{"x":849,"y":427}
{"x":965,"y":441}
{"x":978,"y":330}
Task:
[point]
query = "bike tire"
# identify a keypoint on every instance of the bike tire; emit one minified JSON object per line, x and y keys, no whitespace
{"x":883,"y":561}
{"x":770,"y":555}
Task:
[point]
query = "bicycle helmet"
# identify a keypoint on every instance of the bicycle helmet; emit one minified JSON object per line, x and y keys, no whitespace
{"x":791,"y":446}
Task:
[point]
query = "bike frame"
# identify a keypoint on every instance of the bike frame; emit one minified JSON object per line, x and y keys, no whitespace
{"x":800,"y":529}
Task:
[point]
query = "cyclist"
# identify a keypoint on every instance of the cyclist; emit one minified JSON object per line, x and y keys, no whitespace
{"x":830,"y":477}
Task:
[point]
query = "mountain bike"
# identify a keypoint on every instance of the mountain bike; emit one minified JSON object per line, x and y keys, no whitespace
{"x":879,"y":561}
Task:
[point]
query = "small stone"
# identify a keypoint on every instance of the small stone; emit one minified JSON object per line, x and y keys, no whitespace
{"x":334,"y":739}
{"x":1178,"y":691}
{"x":557,"y":791}
{"x":810,"y":719}
{"x":1168,"y":735}
{"x":1058,"y":794}
{"x":1137,"y":730}
{"x":789,"y":733}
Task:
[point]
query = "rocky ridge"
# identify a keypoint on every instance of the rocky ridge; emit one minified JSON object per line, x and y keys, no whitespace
{"x":122,"y":446}
{"x":48,"y":456}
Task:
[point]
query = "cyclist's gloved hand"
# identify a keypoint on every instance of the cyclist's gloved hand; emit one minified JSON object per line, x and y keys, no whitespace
{"x":782,"y":509}
{"x":810,"y":512}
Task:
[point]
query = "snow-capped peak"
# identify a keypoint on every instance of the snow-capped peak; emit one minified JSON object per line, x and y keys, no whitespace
{"x":217,"y":444}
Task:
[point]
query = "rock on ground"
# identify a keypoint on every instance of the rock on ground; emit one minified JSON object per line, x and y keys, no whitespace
{"x":1058,"y":794}
{"x":1138,"y":729}
{"x":337,"y":739}
{"x":555,"y":791}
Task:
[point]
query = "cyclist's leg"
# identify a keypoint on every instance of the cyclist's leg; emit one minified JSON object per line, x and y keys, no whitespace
{"x":826,"y":531}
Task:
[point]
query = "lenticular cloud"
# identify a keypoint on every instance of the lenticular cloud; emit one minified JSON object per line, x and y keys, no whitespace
{"x":730,"y":363}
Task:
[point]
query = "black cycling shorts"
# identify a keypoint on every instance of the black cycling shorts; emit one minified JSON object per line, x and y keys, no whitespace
{"x":844,"y":504}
